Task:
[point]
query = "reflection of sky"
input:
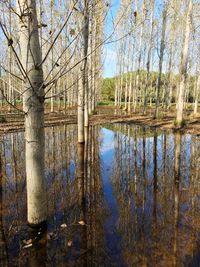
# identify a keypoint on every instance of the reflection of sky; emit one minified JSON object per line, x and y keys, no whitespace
{"x":112,"y":236}
{"x":119,"y":196}
{"x":110,"y":163}
{"x":107,"y":143}
{"x":112,"y":175}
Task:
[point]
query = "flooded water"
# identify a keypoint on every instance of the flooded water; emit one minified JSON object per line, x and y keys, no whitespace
{"x":129,"y":197}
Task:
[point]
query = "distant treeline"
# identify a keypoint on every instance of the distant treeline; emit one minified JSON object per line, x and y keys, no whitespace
{"x":109,"y":86}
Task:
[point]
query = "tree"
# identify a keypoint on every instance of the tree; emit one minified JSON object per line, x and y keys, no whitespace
{"x":162,"y":48}
{"x":33,"y":105}
{"x":183,"y":65}
{"x":149,"y":57}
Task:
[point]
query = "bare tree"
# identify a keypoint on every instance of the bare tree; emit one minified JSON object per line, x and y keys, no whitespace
{"x":161,"y":55}
{"x":33,"y":103}
{"x":183,"y":65}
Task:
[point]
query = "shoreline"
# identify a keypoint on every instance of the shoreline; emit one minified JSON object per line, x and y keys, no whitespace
{"x":192,"y":125}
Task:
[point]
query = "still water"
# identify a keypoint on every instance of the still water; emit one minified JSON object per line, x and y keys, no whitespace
{"x":129,"y":197}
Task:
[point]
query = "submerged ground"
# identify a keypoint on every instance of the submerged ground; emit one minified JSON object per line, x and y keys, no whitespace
{"x":109,"y":114}
{"x":129,"y":197}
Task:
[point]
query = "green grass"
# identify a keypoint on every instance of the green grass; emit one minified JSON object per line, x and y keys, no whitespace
{"x":94,"y":112}
{"x":105,"y":103}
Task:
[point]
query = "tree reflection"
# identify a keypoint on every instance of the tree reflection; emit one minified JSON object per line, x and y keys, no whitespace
{"x":154,"y":185}
{"x":3,"y":244}
{"x":177,"y":159}
{"x":128,"y":196}
{"x":155,"y":177}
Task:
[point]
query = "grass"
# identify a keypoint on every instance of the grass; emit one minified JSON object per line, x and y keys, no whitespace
{"x":105,"y":103}
{"x":94,"y":112}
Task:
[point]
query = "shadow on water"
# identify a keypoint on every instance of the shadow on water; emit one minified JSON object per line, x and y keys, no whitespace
{"x":128,"y":197}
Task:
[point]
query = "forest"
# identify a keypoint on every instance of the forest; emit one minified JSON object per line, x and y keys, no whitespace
{"x":99,"y":133}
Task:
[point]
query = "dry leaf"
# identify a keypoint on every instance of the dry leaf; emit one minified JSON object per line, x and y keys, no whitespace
{"x":81,"y":222}
{"x":69,"y":243}
{"x":63,"y":225}
{"x":27,"y":242}
{"x":28,"y":246}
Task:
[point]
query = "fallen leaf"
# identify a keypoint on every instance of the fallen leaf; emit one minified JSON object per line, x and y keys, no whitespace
{"x":63,"y":225}
{"x":69,"y":243}
{"x":27,"y":242}
{"x":28,"y":246}
{"x":81,"y":222}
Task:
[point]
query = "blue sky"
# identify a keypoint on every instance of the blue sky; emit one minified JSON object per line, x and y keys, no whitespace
{"x":109,"y":58}
{"x":110,"y":55}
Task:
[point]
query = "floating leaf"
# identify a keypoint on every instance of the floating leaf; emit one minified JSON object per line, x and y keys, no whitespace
{"x":27,"y":242}
{"x":28,"y":246}
{"x":81,"y":222}
{"x":69,"y":243}
{"x":63,"y":225}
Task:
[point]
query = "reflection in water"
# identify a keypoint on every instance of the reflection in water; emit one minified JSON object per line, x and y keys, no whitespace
{"x":128,"y":197}
{"x":3,"y":246}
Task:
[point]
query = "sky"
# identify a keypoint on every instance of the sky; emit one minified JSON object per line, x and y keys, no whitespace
{"x":110,"y":55}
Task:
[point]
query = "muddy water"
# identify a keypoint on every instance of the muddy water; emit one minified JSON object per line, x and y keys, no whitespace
{"x":129,"y":197}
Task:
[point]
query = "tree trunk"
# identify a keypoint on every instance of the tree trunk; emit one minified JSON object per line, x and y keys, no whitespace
{"x":85,"y":62}
{"x":80,"y":112}
{"x":34,"y":113}
{"x":149,"y":58}
{"x":162,"y":48}
{"x":137,"y":81}
{"x":197,"y":96}
{"x":183,"y":67}
{"x":52,"y":54}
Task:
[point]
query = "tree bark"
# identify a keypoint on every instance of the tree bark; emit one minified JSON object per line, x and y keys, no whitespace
{"x":85,"y":62}
{"x":137,"y":80}
{"x":33,"y":103}
{"x":149,"y":58}
{"x":183,"y":67}
{"x":197,"y":95}
{"x":162,"y":48}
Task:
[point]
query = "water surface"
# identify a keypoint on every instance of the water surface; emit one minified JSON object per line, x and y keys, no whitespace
{"x":128,"y":197}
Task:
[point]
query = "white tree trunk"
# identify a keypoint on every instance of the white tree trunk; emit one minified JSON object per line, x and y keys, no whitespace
{"x":80,"y":112}
{"x":183,"y":67}
{"x":85,"y":62}
{"x":162,"y":48}
{"x":149,"y":57}
{"x":33,"y":98}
